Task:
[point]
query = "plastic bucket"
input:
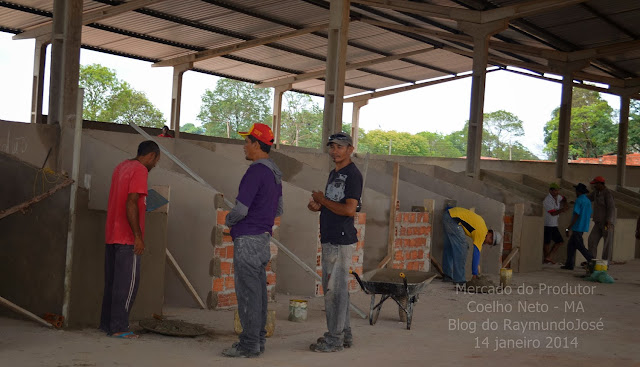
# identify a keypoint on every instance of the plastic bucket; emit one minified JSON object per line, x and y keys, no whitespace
{"x":297,"y":310}
{"x":505,"y":277}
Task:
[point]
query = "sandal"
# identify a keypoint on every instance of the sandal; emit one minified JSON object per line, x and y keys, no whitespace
{"x":126,"y":335}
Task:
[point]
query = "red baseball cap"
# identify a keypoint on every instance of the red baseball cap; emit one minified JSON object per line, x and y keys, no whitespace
{"x":261,"y":132}
{"x":598,"y":179}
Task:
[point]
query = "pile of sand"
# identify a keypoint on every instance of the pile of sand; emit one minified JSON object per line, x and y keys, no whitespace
{"x":482,"y":284}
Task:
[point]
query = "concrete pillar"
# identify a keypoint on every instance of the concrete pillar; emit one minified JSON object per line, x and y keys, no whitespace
{"x":176,"y":97}
{"x":335,"y":71}
{"x":355,"y":122}
{"x":481,"y":34}
{"x":564,"y":126}
{"x":37,"y":88}
{"x":276,"y":122}
{"x":623,"y":135}
{"x":56,"y":70}
{"x":71,"y":62}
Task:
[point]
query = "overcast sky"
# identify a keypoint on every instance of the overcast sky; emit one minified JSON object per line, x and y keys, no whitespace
{"x":441,"y":108}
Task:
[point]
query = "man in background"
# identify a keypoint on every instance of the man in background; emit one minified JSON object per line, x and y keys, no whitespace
{"x":604,"y":218}
{"x":165,"y":132}
{"x":553,"y":204}
{"x":459,"y":223}
{"x":579,"y":225}
{"x":125,"y":239}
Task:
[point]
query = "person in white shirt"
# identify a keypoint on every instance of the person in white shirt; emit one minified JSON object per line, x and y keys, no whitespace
{"x":553,"y":204}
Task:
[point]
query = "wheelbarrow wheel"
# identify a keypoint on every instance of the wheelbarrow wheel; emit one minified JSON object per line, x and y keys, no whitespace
{"x":409,"y":312}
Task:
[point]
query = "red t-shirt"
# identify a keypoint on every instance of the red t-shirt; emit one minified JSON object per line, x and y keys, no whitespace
{"x":165,"y":136}
{"x":128,"y":177}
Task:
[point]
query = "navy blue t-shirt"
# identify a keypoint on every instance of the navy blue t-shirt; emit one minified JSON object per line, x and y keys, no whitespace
{"x":341,"y":185}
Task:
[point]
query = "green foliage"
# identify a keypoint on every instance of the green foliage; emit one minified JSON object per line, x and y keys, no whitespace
{"x":108,"y":99}
{"x":301,"y":121}
{"x":634,"y":126}
{"x":192,"y":129}
{"x":233,"y":106}
{"x":593,"y":132}
{"x":426,"y":144}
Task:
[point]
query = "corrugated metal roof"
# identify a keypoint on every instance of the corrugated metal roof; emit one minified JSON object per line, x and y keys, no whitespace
{"x":175,"y":28}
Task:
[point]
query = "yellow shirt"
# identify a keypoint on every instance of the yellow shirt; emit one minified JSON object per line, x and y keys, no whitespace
{"x":473,"y":224}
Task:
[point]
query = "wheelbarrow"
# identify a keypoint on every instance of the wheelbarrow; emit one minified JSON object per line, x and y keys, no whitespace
{"x":397,"y":284}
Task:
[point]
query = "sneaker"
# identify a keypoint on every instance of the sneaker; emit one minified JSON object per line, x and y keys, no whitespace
{"x":566,"y":267}
{"x":446,"y":279}
{"x":236,"y":344}
{"x":325,"y":348}
{"x":347,"y":342}
{"x":236,"y":352}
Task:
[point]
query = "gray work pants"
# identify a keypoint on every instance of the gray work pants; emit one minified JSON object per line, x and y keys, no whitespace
{"x":250,"y":257}
{"x":336,"y":260}
{"x":596,"y":234}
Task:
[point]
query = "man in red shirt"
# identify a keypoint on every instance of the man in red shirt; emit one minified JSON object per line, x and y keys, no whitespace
{"x":124,"y":234}
{"x":165,"y":132}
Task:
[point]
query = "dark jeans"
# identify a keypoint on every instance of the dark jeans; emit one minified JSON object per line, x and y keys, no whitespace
{"x":251,"y":254}
{"x":576,"y":243}
{"x":455,"y":247}
{"x":121,"y":280}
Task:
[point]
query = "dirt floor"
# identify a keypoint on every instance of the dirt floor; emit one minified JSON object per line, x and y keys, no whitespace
{"x":449,"y":328}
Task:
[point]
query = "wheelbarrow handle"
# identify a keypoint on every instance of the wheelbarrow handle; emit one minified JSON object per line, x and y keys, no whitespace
{"x":358,"y":279}
{"x":404,"y":280}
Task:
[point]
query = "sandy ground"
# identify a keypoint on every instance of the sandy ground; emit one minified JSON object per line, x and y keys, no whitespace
{"x":442,"y":332}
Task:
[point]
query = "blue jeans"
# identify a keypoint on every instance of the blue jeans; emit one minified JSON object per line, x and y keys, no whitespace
{"x":454,"y":254}
{"x":336,"y":260}
{"x":250,"y":257}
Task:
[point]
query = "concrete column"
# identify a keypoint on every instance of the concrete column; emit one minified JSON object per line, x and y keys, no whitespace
{"x":71,"y":62}
{"x":481,"y":34}
{"x":355,"y":122}
{"x":623,"y":135}
{"x":176,"y":97}
{"x":276,"y":122}
{"x":56,"y":71}
{"x":37,"y":88}
{"x":335,"y":71}
{"x":564,"y":126}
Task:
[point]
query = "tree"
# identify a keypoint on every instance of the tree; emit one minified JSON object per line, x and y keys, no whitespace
{"x":192,"y":129}
{"x":634,"y":126}
{"x":301,"y":121}
{"x":593,"y":132}
{"x":108,"y":99}
{"x":233,"y":106}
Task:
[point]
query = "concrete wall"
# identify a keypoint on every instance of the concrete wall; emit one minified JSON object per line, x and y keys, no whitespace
{"x":29,"y":142}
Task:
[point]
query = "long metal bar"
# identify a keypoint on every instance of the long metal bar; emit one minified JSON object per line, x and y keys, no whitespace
{"x":75,"y":172}
{"x":280,"y":246}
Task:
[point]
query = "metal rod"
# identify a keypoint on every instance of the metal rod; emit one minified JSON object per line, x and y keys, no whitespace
{"x":280,"y":246}
{"x":184,"y":279}
{"x":75,"y":172}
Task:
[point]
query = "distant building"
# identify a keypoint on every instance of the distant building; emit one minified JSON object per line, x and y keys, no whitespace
{"x":633,"y":159}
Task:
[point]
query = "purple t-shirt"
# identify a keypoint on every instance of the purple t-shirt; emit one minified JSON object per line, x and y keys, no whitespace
{"x":259,"y":192}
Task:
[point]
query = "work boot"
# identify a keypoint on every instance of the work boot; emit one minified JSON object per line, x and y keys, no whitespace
{"x":325,"y":348}
{"x":238,"y":352}
{"x":347,"y":342}
{"x":566,"y":267}
{"x":236,"y":344}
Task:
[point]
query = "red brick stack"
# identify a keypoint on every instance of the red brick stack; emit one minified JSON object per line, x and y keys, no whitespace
{"x":412,"y":244}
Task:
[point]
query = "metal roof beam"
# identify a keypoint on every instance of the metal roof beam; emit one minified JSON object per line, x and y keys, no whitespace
{"x":220,"y":51}
{"x":87,"y":17}
{"x":292,"y":79}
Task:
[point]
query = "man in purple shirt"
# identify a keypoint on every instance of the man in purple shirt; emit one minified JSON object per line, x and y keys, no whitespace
{"x":258,"y":203}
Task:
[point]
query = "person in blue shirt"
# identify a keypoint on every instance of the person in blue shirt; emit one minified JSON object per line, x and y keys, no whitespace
{"x":579,"y":225}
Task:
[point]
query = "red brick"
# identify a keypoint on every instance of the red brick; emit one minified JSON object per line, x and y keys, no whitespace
{"x":421,"y":241}
{"x":227,"y":239}
{"x":225,"y":267}
{"x":362,"y":218}
{"x":222,"y":214}
{"x":229,"y":284}
{"x":276,"y":222}
{"x":229,"y":252}
{"x":218,"y":285}
{"x":355,"y":259}
{"x":412,"y":217}
{"x":405,"y":217}
{"x":398,"y":217}
{"x":420,"y":254}
{"x":268,"y":267}
{"x":414,"y":255}
{"x":360,"y":245}
{"x":398,"y":256}
{"x":508,"y":219}
{"x":507,"y":246}
{"x":219,"y":252}
{"x":403,"y":231}
{"x":271,"y":279}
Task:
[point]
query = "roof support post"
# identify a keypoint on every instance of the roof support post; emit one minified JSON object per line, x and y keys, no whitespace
{"x":564,"y":126}
{"x":623,"y":136}
{"x":55,"y":70}
{"x":481,"y":34}
{"x":37,"y":88}
{"x":71,"y":62}
{"x":176,"y":97}
{"x":336,"y":67}
{"x":276,"y":122}
{"x":355,"y":122}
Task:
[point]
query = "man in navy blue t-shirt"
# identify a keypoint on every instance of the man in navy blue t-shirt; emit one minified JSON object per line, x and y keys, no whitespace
{"x":338,"y":235}
{"x":258,"y":203}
